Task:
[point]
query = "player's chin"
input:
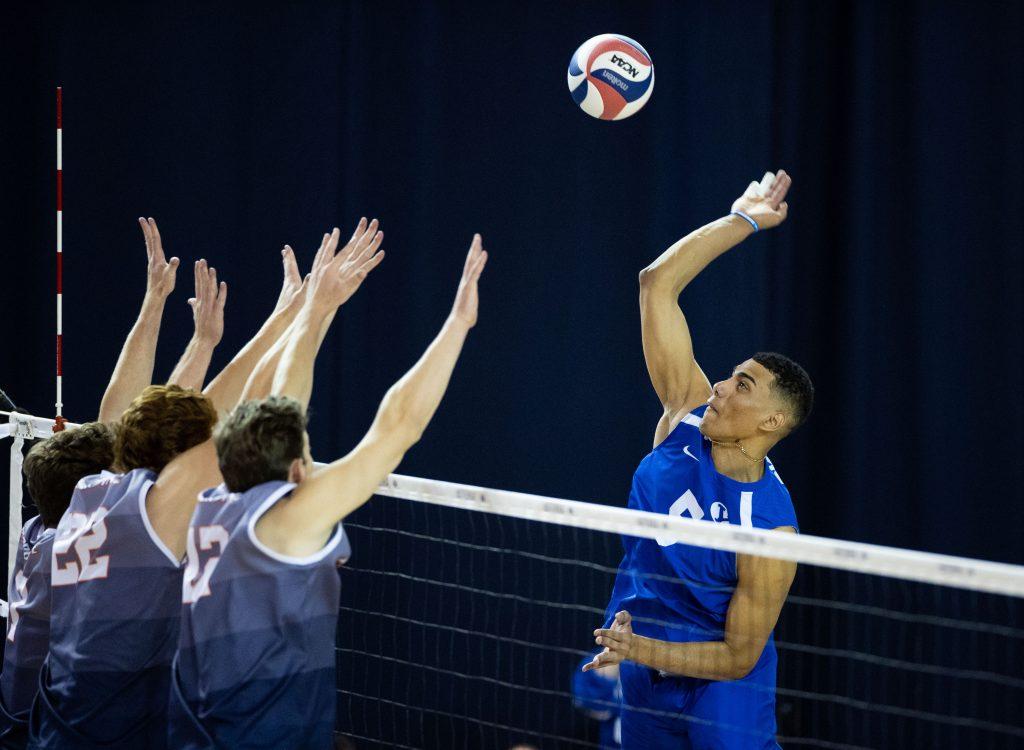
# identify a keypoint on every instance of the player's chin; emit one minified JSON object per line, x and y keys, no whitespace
{"x":709,"y":426}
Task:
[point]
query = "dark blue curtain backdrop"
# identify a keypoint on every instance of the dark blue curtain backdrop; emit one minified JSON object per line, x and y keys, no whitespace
{"x":898,"y":280}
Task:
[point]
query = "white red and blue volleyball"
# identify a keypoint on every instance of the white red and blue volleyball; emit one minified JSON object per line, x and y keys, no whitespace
{"x":611,"y":77}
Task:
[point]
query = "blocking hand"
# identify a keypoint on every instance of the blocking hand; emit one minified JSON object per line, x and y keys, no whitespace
{"x":336,"y":276}
{"x":466,"y":298}
{"x":160,"y":272}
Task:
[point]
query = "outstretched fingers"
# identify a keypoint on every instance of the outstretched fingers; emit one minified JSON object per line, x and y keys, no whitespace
{"x":158,"y":244}
{"x":222,"y":297}
{"x":146,"y":233}
{"x":476,"y":249}
{"x":779,"y":188}
{"x":604,"y":659}
{"x":332,"y":244}
{"x":358,"y":231}
{"x":369,"y":264}
{"x":290,"y":266}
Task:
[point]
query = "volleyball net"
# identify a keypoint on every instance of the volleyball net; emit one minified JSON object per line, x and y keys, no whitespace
{"x":466,"y":613}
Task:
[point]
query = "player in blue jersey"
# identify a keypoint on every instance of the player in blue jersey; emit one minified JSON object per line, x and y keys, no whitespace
{"x":256,"y":658}
{"x":52,"y":468}
{"x":692,"y":627}
{"x":116,"y":557}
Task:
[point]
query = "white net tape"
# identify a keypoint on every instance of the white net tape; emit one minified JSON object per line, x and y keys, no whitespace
{"x":466,"y":612}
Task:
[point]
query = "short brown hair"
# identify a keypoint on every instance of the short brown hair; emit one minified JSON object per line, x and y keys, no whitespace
{"x":259,"y":440}
{"x":54,"y":466}
{"x":163,"y":421}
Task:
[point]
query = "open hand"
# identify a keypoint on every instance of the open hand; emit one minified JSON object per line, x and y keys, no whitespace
{"x":208,"y":304}
{"x":617,"y":641}
{"x":768,"y":209}
{"x":466,"y":298}
{"x":160,"y":272}
{"x":335,"y":277}
{"x":293,"y":286}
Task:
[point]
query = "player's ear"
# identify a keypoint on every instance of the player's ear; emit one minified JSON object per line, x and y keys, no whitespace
{"x":296,"y":471}
{"x":774,"y":422}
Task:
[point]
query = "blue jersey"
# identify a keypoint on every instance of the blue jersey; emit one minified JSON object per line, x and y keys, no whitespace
{"x":679,"y":592}
{"x":255,"y":665}
{"x":116,"y":590}
{"x":28,"y":628}
{"x":685,"y":590}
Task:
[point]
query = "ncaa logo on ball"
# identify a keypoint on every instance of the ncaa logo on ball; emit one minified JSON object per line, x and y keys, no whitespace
{"x":611,"y":77}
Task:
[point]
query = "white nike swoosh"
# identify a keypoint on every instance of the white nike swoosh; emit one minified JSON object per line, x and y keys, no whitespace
{"x":686,"y":450}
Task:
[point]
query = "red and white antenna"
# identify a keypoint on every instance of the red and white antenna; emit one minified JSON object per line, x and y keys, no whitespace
{"x":59,"y":421}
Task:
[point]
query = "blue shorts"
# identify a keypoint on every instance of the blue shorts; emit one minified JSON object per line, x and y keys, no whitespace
{"x":683,"y":713}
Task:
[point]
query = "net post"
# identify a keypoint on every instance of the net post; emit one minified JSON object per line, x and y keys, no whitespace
{"x":59,"y":421}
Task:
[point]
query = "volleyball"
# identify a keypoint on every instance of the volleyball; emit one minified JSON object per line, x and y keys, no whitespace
{"x":611,"y":77}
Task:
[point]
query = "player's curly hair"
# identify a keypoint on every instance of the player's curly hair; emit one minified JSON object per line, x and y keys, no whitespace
{"x":259,"y":440}
{"x":163,"y":421}
{"x":54,"y":466}
{"x":791,"y":382}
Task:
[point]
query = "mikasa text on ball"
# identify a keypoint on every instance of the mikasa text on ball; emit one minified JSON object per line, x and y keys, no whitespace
{"x":611,"y":77}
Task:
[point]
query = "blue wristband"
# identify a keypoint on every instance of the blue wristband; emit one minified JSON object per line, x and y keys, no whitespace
{"x":747,"y":219}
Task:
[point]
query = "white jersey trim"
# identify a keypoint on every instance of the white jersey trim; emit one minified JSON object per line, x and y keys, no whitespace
{"x":747,"y":509}
{"x":317,"y":556}
{"x":149,"y":527}
{"x":693,"y":419}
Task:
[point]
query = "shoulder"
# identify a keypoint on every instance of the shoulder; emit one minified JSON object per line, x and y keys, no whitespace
{"x":216,"y":505}
{"x":271,"y":534}
{"x":687,"y":424}
{"x":93,"y":490}
{"x":32,"y":530}
{"x":773,"y":507}
{"x":103,"y":479}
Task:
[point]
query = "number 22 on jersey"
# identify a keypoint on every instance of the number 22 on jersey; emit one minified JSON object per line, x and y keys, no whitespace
{"x":86,"y":534}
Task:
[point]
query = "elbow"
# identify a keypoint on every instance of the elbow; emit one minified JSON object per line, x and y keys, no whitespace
{"x":654,"y":281}
{"x":397,"y":417}
{"x":741,"y":669}
{"x":648,"y":277}
{"x":742,"y":663}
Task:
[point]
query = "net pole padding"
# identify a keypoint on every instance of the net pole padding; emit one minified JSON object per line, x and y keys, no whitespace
{"x":13,"y":508}
{"x":59,"y":421}
{"x":858,"y":557}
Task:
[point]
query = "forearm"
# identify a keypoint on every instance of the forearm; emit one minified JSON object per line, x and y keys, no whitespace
{"x":261,"y":382}
{"x":294,"y":373}
{"x":134,"y":368}
{"x":190,"y":372}
{"x":226,"y":388}
{"x":682,"y":261}
{"x":705,"y":660}
{"x":412,"y":401}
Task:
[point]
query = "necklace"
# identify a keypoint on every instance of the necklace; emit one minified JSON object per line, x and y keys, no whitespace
{"x":743,"y":450}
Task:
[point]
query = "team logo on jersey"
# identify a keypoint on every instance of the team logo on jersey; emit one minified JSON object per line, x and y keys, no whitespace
{"x":719,"y":513}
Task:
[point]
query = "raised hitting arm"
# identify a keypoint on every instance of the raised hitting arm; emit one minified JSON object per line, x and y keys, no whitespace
{"x":303,"y":524}
{"x":668,"y":350}
{"x":134,"y":368}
